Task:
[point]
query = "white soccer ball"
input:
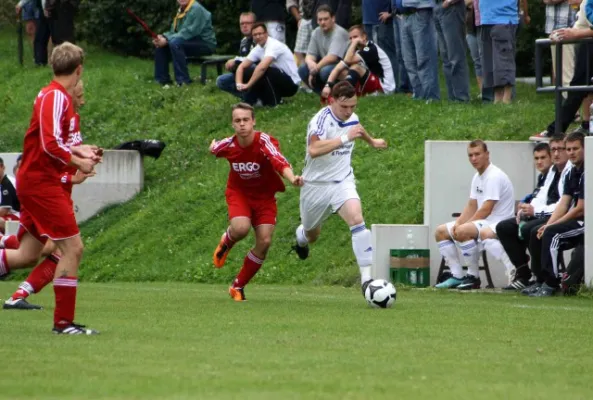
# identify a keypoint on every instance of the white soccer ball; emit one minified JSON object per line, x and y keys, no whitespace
{"x":380,"y":293}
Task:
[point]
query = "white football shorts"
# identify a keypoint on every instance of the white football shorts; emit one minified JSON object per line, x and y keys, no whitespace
{"x":319,"y":201}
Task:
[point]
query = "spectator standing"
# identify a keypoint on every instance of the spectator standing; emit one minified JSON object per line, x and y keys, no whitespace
{"x":275,"y":75}
{"x":273,"y":14}
{"x":329,"y":43}
{"x":450,"y":27}
{"x":399,"y":69}
{"x":226,"y":81}
{"x":420,"y":47}
{"x":497,"y":23}
{"x":583,"y":28}
{"x":61,"y":14}
{"x":30,"y":16}
{"x":472,"y":41}
{"x":302,"y":11}
{"x":560,"y":14}
{"x":42,"y":30}
{"x":191,"y":34}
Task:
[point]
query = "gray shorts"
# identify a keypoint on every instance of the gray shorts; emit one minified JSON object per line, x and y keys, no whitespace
{"x":303,"y":36}
{"x":498,"y":54}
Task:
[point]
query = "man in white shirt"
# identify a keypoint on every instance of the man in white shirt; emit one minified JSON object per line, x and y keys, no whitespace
{"x":329,"y":180}
{"x":491,"y":200}
{"x":518,"y":234}
{"x":275,"y":75}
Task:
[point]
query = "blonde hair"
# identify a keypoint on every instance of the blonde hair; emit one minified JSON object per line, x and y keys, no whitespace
{"x":65,"y":58}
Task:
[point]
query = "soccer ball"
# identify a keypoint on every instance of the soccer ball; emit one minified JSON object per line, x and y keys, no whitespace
{"x":380,"y":293}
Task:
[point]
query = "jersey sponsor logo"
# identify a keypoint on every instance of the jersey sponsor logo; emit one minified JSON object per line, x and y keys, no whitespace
{"x":246,"y":167}
{"x":74,"y":139}
{"x":64,"y":179}
{"x":479,"y":190}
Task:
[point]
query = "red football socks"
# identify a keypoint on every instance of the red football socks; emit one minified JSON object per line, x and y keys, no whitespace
{"x":9,"y":242}
{"x":251,"y":265}
{"x":39,"y":278}
{"x":65,"y":291}
{"x":3,"y":263}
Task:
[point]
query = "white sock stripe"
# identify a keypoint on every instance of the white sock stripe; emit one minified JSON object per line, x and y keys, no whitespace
{"x":66,"y":282}
{"x":358,"y":228}
{"x":3,"y":269}
{"x":254,"y":258}
{"x":445,"y":243}
{"x":26,"y":286}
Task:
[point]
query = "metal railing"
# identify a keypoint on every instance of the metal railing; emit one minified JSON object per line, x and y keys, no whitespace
{"x":557,"y":87}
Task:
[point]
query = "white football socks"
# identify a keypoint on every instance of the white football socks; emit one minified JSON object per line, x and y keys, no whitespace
{"x":471,"y":255}
{"x":363,"y":250}
{"x":448,"y":250}
{"x":494,"y":247}
{"x":300,"y":236}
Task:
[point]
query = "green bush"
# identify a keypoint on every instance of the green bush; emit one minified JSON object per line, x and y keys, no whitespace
{"x":526,"y":40}
{"x":107,"y":24}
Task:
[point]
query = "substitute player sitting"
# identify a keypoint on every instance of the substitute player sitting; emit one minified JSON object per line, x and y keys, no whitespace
{"x":491,"y":200}
{"x":329,"y":178}
{"x":365,"y":66}
{"x":254,"y":178}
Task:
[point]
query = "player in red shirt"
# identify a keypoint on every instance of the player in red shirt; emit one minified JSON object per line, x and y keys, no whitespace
{"x":47,"y":209}
{"x":43,"y":274}
{"x":254,"y":178}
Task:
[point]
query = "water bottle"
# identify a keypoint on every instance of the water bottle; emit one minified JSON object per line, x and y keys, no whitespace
{"x":521,"y":223}
{"x":410,"y":239}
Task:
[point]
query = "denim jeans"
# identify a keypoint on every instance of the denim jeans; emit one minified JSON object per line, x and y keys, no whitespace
{"x":386,"y":41}
{"x":399,"y":68}
{"x":226,"y":83}
{"x":320,"y":79}
{"x":474,"y":51}
{"x":450,"y":27}
{"x":177,"y":50}
{"x":420,"y":54}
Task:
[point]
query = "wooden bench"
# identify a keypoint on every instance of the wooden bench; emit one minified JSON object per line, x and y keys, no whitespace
{"x":217,"y":59}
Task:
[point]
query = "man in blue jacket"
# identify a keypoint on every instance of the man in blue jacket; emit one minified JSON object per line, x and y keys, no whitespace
{"x":191,"y":34}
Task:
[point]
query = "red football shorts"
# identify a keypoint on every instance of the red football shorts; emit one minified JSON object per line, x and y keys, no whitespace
{"x":50,"y":216}
{"x":261,"y":212}
{"x":371,"y":85}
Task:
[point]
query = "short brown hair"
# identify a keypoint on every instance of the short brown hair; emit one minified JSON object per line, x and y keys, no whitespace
{"x":343,"y":89}
{"x":65,"y":58}
{"x":325,"y":8}
{"x":478,"y":143}
{"x":360,"y":28}
{"x":558,"y":138}
{"x":243,"y":106}
{"x":248,"y":14}
{"x":576,"y":136}
{"x":259,"y":25}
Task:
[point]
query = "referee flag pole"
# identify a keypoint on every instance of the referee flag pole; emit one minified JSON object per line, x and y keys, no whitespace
{"x":19,"y":32}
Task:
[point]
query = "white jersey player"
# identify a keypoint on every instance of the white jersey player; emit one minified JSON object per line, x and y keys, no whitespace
{"x":329,"y":180}
{"x":491,"y":200}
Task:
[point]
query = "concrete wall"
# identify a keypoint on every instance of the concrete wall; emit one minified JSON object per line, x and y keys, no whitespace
{"x":119,"y":178}
{"x":447,"y":179}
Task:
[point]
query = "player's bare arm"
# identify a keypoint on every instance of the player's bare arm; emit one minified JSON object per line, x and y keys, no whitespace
{"x":295,"y":180}
{"x":327,"y":60}
{"x":375,"y":143}
{"x":88,"y":151}
{"x":351,"y":57}
{"x":468,"y":211}
{"x":239,"y":74}
{"x":320,"y":147}
{"x":259,"y":71}
{"x":86,"y":165}
{"x":333,"y":77}
{"x":484,"y":211}
{"x":80,"y":177}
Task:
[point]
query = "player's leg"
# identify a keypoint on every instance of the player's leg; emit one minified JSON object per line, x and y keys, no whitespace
{"x":493,"y":246}
{"x":448,"y":249}
{"x":40,"y":277}
{"x":239,"y":226}
{"x":314,"y":209}
{"x":24,"y":257}
{"x":467,"y":236}
{"x":351,"y":213}
{"x":253,"y":261}
{"x":356,"y":73}
{"x":264,"y":220}
{"x":9,"y":242}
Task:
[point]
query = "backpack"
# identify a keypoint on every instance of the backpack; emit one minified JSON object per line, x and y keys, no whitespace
{"x":151,"y":148}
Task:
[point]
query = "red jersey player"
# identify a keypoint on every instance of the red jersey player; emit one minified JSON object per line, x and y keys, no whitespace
{"x":43,"y":274}
{"x":47,"y":211}
{"x":256,"y":163}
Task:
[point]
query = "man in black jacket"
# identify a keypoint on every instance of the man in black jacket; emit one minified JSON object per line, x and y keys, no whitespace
{"x":61,"y":15}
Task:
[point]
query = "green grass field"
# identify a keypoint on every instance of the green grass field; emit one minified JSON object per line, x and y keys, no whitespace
{"x":190,"y":341}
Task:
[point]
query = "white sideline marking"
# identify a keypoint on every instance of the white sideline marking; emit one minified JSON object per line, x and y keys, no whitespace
{"x":543,"y":307}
